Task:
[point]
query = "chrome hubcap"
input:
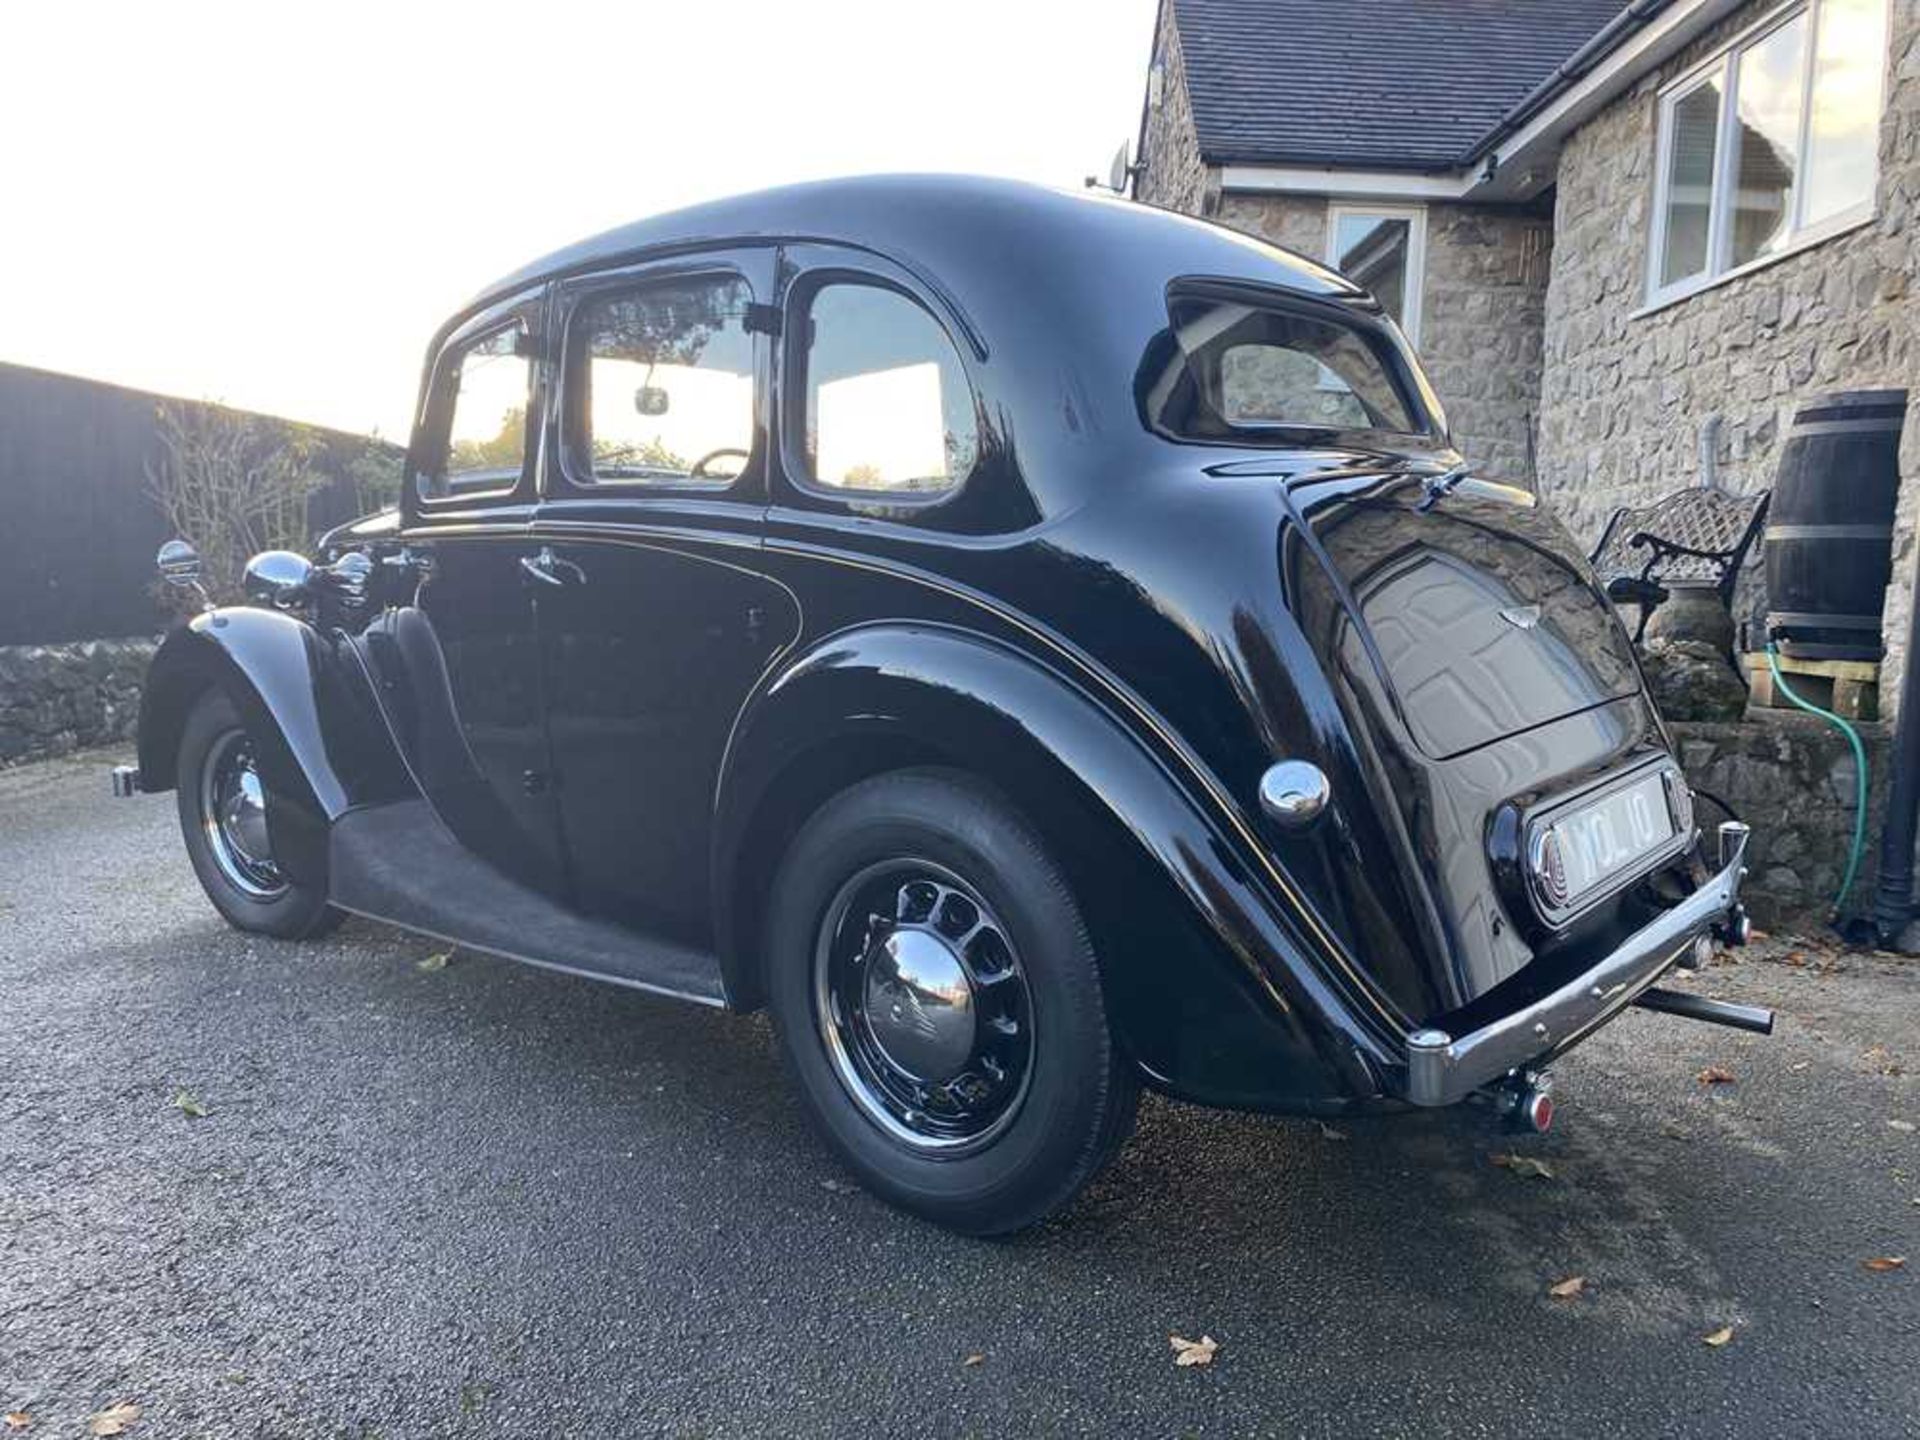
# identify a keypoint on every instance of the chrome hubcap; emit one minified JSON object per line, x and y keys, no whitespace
{"x":923,"y":1006}
{"x":233,"y":812}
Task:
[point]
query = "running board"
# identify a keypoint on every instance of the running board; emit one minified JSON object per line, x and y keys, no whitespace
{"x":397,"y":863}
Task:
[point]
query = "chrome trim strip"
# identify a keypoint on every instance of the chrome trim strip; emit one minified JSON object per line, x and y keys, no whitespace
{"x":1443,"y":1069}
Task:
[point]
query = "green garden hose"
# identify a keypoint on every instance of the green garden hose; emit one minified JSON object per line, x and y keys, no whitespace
{"x":1859,"y":776}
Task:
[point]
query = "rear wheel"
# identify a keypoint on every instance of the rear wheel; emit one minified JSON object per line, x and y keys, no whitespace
{"x":223,"y":819}
{"x":939,"y":1004}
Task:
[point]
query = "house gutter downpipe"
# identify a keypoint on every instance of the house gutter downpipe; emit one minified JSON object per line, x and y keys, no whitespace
{"x":1893,"y":898}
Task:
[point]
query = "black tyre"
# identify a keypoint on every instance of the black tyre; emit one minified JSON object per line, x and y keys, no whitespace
{"x":937,"y":999}
{"x":223,"y":819}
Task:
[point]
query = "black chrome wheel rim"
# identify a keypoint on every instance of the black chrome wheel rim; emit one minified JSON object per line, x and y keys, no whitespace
{"x":233,"y":815}
{"x":923,"y":1006}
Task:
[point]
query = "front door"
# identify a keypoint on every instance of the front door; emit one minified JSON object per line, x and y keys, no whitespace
{"x":461,"y":666}
{"x":655,"y":621}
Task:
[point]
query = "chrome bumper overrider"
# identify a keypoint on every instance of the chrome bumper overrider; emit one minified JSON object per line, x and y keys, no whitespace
{"x":1443,"y":1068}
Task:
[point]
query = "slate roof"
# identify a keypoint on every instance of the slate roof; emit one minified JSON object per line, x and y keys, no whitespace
{"x":1374,"y":84}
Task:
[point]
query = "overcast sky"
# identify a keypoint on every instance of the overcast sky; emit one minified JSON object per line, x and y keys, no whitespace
{"x":275,"y":205}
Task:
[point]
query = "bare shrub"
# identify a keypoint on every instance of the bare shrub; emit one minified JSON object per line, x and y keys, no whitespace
{"x":233,"y":484}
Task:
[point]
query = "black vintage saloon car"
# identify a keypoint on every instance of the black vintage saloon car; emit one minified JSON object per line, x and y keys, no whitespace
{"x":1033,"y":644}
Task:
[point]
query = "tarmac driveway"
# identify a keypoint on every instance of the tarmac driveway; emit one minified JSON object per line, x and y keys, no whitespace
{"x":485,"y":1200}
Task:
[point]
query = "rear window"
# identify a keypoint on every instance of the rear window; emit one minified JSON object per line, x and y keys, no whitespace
{"x":1242,"y":365}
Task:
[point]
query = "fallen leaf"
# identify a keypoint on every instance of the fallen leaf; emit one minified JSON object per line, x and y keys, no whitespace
{"x":18,"y":1419}
{"x":1673,"y":1131}
{"x":1568,"y":1288}
{"x":1758,"y":934}
{"x":1905,"y":1127}
{"x":1880,"y":1264}
{"x":439,"y":960}
{"x":1796,"y":958}
{"x":975,"y":1359}
{"x":1720,"y":1336}
{"x":1523,"y":1165}
{"x":838,"y":1187}
{"x":1329,"y":1132}
{"x":1714,"y":1075}
{"x":1193,"y":1352}
{"x":114,"y":1419}
{"x":1799,"y":1065}
{"x":187,"y":1105}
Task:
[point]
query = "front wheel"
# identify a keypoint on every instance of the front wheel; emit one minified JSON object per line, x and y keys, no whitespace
{"x":223,"y":819}
{"x":939,"y":1004}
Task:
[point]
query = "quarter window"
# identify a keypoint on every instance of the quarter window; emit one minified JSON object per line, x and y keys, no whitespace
{"x":888,"y":407}
{"x":486,"y":446}
{"x":1773,"y":143}
{"x":1249,"y":366}
{"x":665,"y":383}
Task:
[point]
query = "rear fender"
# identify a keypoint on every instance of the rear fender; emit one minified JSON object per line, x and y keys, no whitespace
{"x":1212,"y":987}
{"x":318,"y":744}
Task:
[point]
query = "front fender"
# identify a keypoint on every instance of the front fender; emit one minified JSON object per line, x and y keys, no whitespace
{"x":1214,"y":985}
{"x":304,"y":701}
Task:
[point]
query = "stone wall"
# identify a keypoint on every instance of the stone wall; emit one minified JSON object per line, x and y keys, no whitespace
{"x":59,"y":698}
{"x":1174,"y":177}
{"x":1626,"y":391}
{"x":1482,"y":312}
{"x":1791,"y":778}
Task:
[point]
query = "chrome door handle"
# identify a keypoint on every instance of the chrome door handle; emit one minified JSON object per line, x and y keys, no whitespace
{"x":550,"y":569}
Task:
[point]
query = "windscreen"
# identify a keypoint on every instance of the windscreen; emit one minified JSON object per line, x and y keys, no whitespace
{"x":1242,"y":366}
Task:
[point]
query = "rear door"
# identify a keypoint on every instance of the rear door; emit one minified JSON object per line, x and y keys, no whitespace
{"x":654,"y":618}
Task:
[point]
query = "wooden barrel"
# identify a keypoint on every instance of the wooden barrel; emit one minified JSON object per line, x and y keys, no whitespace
{"x":1829,"y":539}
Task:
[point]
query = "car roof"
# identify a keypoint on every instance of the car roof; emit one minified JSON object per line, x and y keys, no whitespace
{"x":973,"y":226}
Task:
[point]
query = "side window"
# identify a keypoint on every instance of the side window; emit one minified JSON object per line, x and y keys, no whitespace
{"x":1277,"y":368}
{"x":663,"y":383}
{"x":888,"y":407}
{"x":486,"y":445}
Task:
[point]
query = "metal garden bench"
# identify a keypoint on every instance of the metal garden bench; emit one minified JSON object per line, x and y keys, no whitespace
{"x":1697,"y":536}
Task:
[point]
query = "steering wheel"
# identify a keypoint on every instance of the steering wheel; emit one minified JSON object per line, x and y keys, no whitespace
{"x":699,"y":470}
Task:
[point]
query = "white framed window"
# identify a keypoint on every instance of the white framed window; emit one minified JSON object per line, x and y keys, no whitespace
{"x":1771,"y":145}
{"x":1384,"y":249}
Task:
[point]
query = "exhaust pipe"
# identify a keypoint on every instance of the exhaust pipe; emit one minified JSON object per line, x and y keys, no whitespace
{"x":1753,"y":1018}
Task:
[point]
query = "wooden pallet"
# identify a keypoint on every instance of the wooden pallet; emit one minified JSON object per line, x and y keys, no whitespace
{"x":1849,"y":688}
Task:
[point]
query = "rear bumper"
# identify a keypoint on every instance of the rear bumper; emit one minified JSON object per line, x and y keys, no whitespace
{"x":1443,"y":1068}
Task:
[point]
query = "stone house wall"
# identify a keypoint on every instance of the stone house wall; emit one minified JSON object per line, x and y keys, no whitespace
{"x":1627,"y":391}
{"x":1173,"y":177}
{"x":1482,"y":312}
{"x":1792,"y":779}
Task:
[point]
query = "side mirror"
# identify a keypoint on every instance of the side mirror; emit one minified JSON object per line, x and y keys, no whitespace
{"x":277,"y":577}
{"x":179,"y":564}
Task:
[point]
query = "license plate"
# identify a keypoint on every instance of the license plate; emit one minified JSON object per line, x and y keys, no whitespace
{"x":1592,"y":843}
